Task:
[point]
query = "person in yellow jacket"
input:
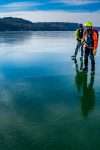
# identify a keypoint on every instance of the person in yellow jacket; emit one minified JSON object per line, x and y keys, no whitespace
{"x":90,"y":43}
{"x":79,"y":36}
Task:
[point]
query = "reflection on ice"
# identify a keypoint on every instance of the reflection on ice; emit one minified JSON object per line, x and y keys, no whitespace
{"x":23,"y":45}
{"x":45,"y":103}
{"x":14,"y":37}
{"x":85,"y":89}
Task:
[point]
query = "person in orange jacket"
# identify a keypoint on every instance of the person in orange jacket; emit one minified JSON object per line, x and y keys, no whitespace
{"x":90,"y":43}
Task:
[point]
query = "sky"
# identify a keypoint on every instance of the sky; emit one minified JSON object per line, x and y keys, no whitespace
{"x":52,"y":10}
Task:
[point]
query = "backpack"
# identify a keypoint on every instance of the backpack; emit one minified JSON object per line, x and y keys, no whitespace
{"x":79,"y":34}
{"x":91,"y":40}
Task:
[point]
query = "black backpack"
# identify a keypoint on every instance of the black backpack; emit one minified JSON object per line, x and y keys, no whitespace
{"x":80,"y":33}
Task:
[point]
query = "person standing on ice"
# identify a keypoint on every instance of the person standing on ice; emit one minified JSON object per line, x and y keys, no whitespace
{"x":90,"y":43}
{"x":79,"y":46}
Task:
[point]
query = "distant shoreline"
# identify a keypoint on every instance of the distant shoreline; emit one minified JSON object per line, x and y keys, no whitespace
{"x":17,"y":24}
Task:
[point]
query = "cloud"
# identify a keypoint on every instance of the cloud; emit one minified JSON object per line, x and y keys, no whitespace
{"x":77,"y":2}
{"x":51,"y":5}
{"x":16,"y":6}
{"x":73,"y":5}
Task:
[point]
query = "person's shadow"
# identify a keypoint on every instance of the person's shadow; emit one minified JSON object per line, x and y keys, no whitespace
{"x":85,"y":87}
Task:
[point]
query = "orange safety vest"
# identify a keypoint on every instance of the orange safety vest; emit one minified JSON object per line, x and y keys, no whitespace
{"x":95,"y":37}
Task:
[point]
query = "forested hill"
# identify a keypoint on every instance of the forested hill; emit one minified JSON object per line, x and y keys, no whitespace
{"x":17,"y":24}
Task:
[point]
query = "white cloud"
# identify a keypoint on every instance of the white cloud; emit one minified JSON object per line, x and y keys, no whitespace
{"x":18,"y":6}
{"x":45,"y":16}
{"x":22,"y":6}
{"x":78,"y":2}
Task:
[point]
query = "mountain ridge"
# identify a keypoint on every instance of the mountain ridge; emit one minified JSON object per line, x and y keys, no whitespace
{"x":19,"y":24}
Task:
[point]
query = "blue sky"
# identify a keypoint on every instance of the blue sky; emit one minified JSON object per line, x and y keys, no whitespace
{"x":43,"y":8}
{"x":50,"y":5}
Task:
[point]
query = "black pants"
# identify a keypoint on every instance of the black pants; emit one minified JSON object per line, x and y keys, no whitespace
{"x":79,"y":46}
{"x":89,"y":52}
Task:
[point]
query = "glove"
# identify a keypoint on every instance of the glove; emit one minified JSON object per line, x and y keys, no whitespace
{"x":94,"y":52}
{"x":82,"y":41}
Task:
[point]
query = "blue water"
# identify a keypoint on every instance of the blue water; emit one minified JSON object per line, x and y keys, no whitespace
{"x":46,"y":102}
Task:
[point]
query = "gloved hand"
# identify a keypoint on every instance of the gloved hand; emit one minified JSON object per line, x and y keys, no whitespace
{"x":94,"y":52}
{"x":82,"y":41}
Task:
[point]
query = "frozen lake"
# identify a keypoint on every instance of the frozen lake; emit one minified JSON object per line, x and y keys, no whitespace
{"x":46,"y":103}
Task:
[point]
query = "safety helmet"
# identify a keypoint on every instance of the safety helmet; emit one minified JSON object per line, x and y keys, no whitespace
{"x":88,"y":24}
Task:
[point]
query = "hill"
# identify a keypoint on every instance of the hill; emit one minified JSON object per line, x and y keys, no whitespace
{"x":18,"y":24}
